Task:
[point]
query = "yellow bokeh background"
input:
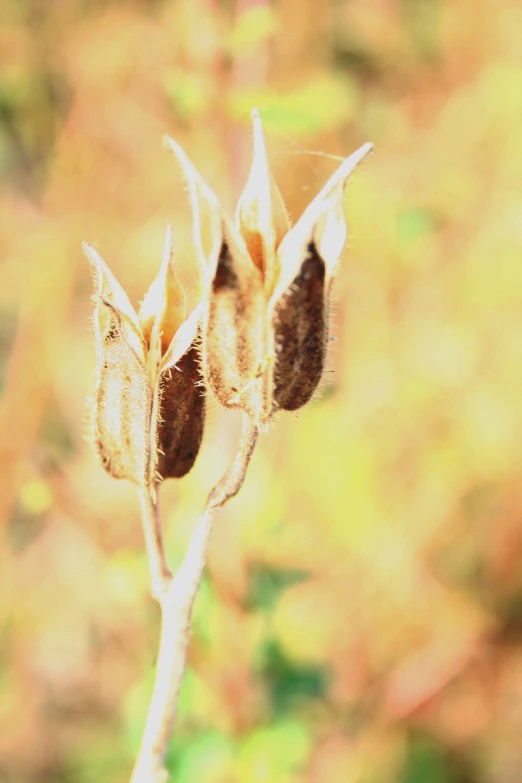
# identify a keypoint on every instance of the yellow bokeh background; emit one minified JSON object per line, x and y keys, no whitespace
{"x":361,"y":616}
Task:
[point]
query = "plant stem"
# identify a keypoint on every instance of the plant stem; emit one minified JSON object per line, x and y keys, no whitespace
{"x":160,"y":575}
{"x":176,"y":596}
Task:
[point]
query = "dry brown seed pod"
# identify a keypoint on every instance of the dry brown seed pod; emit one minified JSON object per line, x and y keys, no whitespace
{"x":122,"y":403}
{"x":234,"y":331}
{"x":300,"y":332}
{"x":234,"y":324}
{"x":268,"y":286}
{"x":149,"y":409}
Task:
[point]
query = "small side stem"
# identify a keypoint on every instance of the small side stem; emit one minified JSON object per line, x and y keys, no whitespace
{"x":160,"y":575}
{"x":176,"y":596}
{"x":234,"y":477}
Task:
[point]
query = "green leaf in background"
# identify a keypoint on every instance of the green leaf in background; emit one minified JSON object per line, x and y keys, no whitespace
{"x":319,"y":104}
{"x":414,"y":222}
{"x":266,"y":584}
{"x":95,"y":755}
{"x":207,"y":757}
{"x":288,"y":685}
{"x":205,"y":604}
{"x":427,"y":762}
{"x":274,"y":754}
{"x":253,"y":26}
{"x":188,"y":91}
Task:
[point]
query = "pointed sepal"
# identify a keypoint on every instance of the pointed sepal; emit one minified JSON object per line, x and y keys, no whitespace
{"x":122,"y":393}
{"x":109,"y":297}
{"x":163,"y":309}
{"x":308,"y":257}
{"x":261,"y":216}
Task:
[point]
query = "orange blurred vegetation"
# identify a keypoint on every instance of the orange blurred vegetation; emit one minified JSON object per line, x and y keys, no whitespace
{"x":362,"y":615}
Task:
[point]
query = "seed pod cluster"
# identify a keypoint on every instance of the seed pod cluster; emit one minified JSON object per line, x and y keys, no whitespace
{"x":259,"y":333}
{"x":265,"y":312}
{"x":149,"y":410}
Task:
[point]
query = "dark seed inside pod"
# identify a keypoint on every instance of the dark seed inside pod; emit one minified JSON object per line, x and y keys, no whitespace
{"x":300,"y":334}
{"x":181,"y":417}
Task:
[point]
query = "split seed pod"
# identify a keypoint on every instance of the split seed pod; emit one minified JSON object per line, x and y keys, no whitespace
{"x":265,"y":322}
{"x":148,"y":409}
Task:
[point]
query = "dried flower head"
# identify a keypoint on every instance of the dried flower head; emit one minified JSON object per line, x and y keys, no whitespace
{"x":268,"y":286}
{"x":149,"y":409}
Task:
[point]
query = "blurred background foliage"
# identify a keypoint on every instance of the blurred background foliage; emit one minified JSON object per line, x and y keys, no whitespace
{"x":362,"y":613}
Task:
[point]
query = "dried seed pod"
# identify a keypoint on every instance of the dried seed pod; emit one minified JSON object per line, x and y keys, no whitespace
{"x":234,"y":331}
{"x":122,"y":406}
{"x":149,"y":409}
{"x":300,"y":334}
{"x":268,"y":287}
{"x":308,"y":257}
{"x":122,"y":396}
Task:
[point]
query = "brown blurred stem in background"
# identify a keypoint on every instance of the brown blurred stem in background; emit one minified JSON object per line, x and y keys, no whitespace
{"x":176,"y":596}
